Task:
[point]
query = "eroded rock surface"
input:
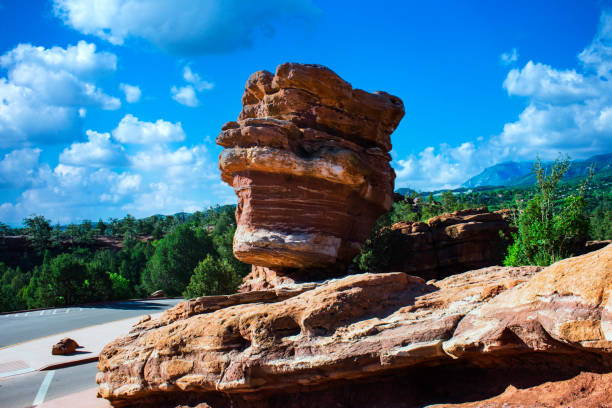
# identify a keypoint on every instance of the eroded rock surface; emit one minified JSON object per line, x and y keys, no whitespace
{"x":390,"y":339}
{"x":445,"y":245}
{"x":450,"y":243}
{"x":308,"y":159}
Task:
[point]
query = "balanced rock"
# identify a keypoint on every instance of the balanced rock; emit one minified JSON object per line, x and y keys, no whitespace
{"x":377,"y":340}
{"x":308,"y":159}
{"x":64,"y":346}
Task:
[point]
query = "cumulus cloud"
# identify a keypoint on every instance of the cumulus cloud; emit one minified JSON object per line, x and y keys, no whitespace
{"x":98,"y":151}
{"x":45,"y":90}
{"x":598,"y":55}
{"x":541,"y":82}
{"x":567,"y":111}
{"x":152,"y":180}
{"x":185,"y":95}
{"x":132,"y":130}
{"x":24,"y":118}
{"x":18,"y":168}
{"x":72,"y":193}
{"x":183,"y":26}
{"x":195,"y":79}
{"x":508,"y":58}
{"x":445,"y":167}
{"x":132,"y":92}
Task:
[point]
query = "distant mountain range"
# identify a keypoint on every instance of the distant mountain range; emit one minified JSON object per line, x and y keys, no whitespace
{"x":521,"y":173}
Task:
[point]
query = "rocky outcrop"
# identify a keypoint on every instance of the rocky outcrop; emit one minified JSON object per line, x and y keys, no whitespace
{"x":445,"y":245}
{"x":389,"y":340}
{"x":449,"y":243}
{"x":308,"y":159}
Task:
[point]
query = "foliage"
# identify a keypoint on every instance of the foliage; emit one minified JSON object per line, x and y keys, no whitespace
{"x":38,"y":229}
{"x":550,"y":228}
{"x":67,"y":280}
{"x":120,"y":285}
{"x":601,"y":221}
{"x":213,"y":276}
{"x":377,"y":251}
{"x":174,"y":259}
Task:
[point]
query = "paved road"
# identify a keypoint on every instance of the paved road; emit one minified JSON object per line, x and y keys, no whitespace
{"x":34,"y":388}
{"x":19,"y":327}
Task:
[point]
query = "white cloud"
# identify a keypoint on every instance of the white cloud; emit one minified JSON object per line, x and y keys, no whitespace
{"x":81,"y":59}
{"x":132,"y":92}
{"x":183,"y":26}
{"x":568,"y":111}
{"x":543,"y":83}
{"x":194,"y":79}
{"x":24,"y":118}
{"x":131,"y":130}
{"x":598,"y":55}
{"x":19,"y":168}
{"x":185,"y":95}
{"x":508,"y":58}
{"x":45,"y":89}
{"x":161,"y":157}
{"x":98,"y":151}
{"x":445,"y":168}
{"x":98,"y":178}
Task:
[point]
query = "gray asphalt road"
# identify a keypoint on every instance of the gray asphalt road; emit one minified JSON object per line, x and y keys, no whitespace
{"x":27,"y":389}
{"x":19,"y":327}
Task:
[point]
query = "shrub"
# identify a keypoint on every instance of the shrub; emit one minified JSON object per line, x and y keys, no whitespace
{"x":213,"y":276}
{"x":550,"y":227}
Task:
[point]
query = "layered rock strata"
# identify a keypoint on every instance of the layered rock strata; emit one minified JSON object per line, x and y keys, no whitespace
{"x":308,"y":159}
{"x":375,"y":340}
{"x":450,"y":243}
{"x":445,"y":245}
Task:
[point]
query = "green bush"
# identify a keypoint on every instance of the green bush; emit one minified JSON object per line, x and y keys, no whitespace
{"x":550,"y":227}
{"x":213,"y":276}
{"x":121,"y":286}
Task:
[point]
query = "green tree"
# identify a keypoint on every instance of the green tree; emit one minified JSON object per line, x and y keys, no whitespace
{"x":175,"y":258}
{"x":12,"y":282}
{"x":38,"y":229}
{"x":601,"y":223}
{"x":213,"y":276}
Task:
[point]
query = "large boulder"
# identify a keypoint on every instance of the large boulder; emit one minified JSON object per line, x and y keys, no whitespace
{"x":376,"y":340}
{"x":308,"y":159}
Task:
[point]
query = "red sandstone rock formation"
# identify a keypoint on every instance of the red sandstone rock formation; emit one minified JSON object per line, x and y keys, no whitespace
{"x":308,"y":159}
{"x":445,"y":245}
{"x":372,"y":340}
{"x":64,"y":346}
{"x":450,"y":243}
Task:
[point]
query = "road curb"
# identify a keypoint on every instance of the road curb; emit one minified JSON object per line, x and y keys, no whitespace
{"x":70,"y":363}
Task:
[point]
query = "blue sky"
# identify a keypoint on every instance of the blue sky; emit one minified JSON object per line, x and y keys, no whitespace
{"x":111,"y":107}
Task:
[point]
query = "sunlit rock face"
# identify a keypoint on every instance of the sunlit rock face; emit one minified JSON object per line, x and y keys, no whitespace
{"x":379,"y":340}
{"x":309,"y":161}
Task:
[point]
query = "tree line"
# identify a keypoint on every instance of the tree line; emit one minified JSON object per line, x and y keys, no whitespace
{"x":190,"y":255}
